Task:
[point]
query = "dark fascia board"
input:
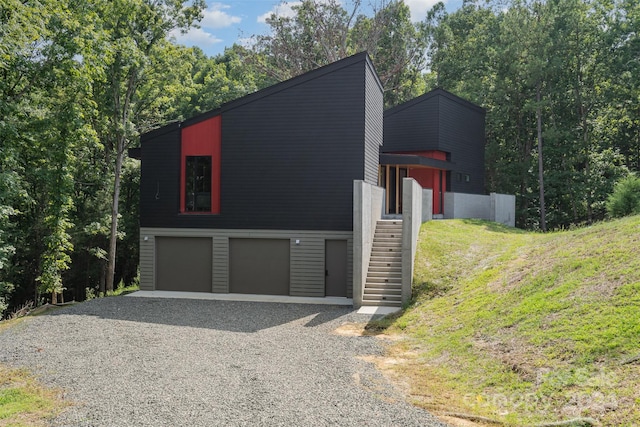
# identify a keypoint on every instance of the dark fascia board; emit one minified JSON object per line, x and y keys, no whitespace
{"x":431,"y":94}
{"x":373,"y":69}
{"x":278,"y":87}
{"x":160,"y":131}
{"x":412,"y":159}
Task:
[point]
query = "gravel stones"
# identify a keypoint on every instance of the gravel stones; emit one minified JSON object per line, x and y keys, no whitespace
{"x":165,"y":362}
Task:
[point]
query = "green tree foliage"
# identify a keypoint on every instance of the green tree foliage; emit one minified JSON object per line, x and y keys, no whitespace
{"x":322,"y":32}
{"x":80,"y":80}
{"x":625,"y":199}
{"x":557,"y":65}
{"x":120,"y":56}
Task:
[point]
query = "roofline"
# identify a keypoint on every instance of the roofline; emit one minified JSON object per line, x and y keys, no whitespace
{"x":161,"y":130}
{"x":431,"y":94}
{"x":278,"y":87}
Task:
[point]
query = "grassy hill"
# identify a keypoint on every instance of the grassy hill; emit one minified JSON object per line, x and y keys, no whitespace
{"x":523,"y":327}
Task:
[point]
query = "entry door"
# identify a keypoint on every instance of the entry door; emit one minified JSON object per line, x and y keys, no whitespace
{"x":390,"y":178}
{"x":335,"y":262}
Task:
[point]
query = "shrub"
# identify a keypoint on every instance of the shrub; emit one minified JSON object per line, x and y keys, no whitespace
{"x":625,"y":199}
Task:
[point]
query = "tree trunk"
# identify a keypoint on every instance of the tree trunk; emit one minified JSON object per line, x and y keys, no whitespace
{"x":543,"y":214}
{"x":113,"y":237}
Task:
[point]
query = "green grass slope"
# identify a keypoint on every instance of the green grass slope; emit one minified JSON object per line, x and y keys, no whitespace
{"x":522,"y":327}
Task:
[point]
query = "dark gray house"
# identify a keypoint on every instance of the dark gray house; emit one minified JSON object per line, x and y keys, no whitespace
{"x":256,"y":196}
{"x":438,"y":139}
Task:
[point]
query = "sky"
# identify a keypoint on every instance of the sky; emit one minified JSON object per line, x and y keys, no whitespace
{"x":234,"y":21}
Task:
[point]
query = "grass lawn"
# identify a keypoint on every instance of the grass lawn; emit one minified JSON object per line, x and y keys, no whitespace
{"x":523,"y":328}
{"x":23,"y":401}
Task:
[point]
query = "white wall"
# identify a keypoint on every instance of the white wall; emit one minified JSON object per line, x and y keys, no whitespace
{"x":427,"y":204}
{"x":412,"y":205}
{"x":367,"y":210}
{"x":503,"y":209}
{"x":494,"y":207}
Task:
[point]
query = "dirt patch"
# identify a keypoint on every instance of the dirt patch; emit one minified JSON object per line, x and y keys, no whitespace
{"x":398,"y":368}
{"x":359,"y":330}
{"x":515,"y":355}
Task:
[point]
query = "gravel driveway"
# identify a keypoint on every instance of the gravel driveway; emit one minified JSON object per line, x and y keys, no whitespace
{"x":170,"y":362}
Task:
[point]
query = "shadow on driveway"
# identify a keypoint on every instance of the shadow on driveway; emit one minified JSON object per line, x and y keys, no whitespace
{"x":233,"y":316}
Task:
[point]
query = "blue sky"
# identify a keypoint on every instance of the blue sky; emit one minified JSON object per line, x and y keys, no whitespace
{"x":229,"y":21}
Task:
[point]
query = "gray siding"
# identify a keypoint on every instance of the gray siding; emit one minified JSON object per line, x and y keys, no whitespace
{"x":306,"y":262}
{"x":441,"y":121}
{"x":412,"y":126}
{"x":147,"y":262}
{"x":220,"y":264}
{"x":160,"y":175}
{"x":462,"y":134}
{"x":289,"y":155}
{"x":374,"y":119}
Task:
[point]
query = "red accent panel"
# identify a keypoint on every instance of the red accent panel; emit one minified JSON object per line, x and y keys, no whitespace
{"x":202,"y":139}
{"x":431,"y":154}
{"x":430,"y":178}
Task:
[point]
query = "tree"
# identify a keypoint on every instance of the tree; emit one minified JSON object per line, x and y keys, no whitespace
{"x":322,"y":32}
{"x":131,"y":31}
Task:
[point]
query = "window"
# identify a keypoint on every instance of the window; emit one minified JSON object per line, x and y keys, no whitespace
{"x":200,"y":155}
{"x":198,"y":184}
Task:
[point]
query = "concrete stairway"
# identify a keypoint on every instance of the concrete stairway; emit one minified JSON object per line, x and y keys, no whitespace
{"x":384,"y":277}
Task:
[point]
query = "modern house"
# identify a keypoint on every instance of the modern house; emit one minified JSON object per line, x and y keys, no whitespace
{"x":437,"y":139}
{"x":256,"y":196}
{"x":264,"y":194}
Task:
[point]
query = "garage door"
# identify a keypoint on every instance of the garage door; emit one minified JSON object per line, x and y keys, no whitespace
{"x":183,"y":264}
{"x":259,"y":266}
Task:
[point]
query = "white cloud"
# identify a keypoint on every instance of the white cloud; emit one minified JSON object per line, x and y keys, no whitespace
{"x":215,"y":17}
{"x":247,"y":42}
{"x":195,"y":37}
{"x":419,"y":8}
{"x":283,"y":9}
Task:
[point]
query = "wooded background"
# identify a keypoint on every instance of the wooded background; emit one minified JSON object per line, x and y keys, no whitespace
{"x":81,"y":79}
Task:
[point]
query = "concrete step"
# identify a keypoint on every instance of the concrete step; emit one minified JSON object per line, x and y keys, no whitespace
{"x":383,"y":295}
{"x":392,"y":277}
{"x":382,"y":303}
{"x":387,"y":237}
{"x":382,"y":250}
{"x":390,"y":222}
{"x":388,"y":229}
{"x":383,"y":291}
{"x":383,"y":281}
{"x":387,"y":257}
{"x":386,"y":266}
{"x":395,"y":243}
{"x":381,"y":300}
{"x":394,"y":263}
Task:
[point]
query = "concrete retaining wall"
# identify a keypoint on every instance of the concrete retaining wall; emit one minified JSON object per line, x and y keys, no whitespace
{"x":503,"y":209}
{"x":427,"y":204}
{"x":494,"y":207}
{"x":367,"y":210}
{"x":412,"y":206}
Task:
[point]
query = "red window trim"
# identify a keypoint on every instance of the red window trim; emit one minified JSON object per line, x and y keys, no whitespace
{"x":202,"y":139}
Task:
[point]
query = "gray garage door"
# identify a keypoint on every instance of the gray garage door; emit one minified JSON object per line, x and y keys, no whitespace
{"x":259,"y":266}
{"x":183,"y":264}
